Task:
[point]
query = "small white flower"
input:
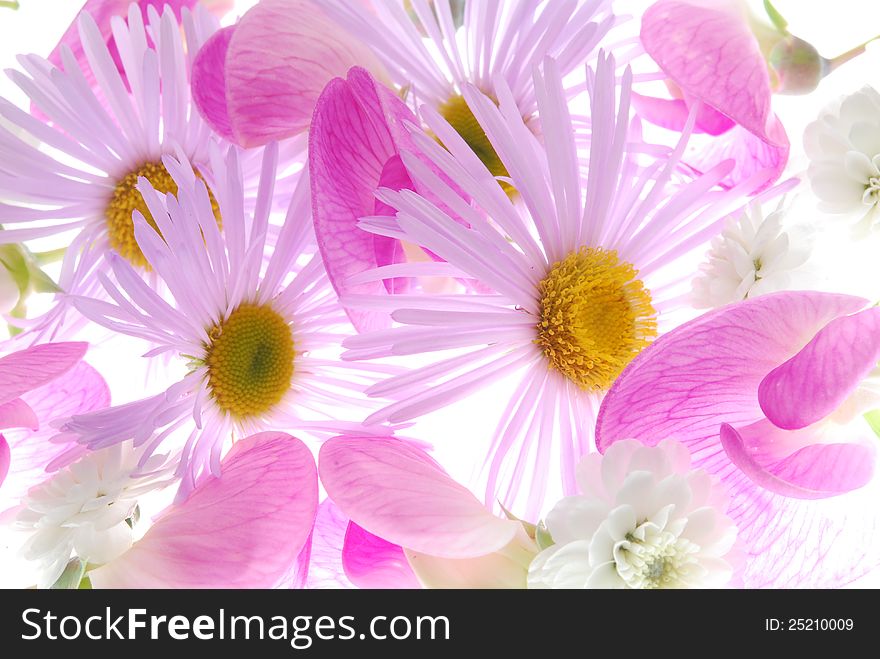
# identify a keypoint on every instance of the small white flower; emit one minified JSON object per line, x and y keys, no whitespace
{"x":844,"y":149}
{"x":645,"y":520}
{"x":754,"y":255}
{"x":85,"y":509}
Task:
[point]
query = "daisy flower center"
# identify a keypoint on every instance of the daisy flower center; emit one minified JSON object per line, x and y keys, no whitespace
{"x":596,"y":315}
{"x":250,"y":360}
{"x":460,"y":117}
{"x":126,"y":199}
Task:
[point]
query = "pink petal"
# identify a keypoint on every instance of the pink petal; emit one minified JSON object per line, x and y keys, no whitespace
{"x":80,"y":390}
{"x":352,"y":150}
{"x":18,"y":414}
{"x":672,"y":115}
{"x":707,"y":372}
{"x":4,"y":459}
{"x":33,"y":367}
{"x":396,"y":491}
{"x":281,"y":56}
{"x":209,"y":81}
{"x":242,"y":530}
{"x":818,"y":379}
{"x":712,"y":56}
{"x":371,"y":562}
{"x":328,"y":537}
{"x":815,"y":471}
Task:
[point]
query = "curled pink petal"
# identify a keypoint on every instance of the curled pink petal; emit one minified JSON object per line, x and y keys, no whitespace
{"x":279,"y":59}
{"x":18,"y":414}
{"x":371,"y":562}
{"x":707,"y":372}
{"x":672,"y":114}
{"x":242,"y":530}
{"x":818,"y":379}
{"x":328,"y":537}
{"x":4,"y":459}
{"x":208,"y":81}
{"x":396,"y":491}
{"x":33,"y":367}
{"x":815,"y":471}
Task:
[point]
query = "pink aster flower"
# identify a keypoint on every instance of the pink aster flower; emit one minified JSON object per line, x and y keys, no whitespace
{"x":259,"y":330}
{"x":83,"y":177}
{"x":768,"y":395}
{"x":580,"y":281}
{"x":258,"y":80}
{"x":242,"y":530}
{"x":643,"y":519}
{"x":714,"y":63}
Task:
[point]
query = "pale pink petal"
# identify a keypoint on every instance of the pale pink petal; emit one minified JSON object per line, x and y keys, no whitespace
{"x":707,"y":372}
{"x":672,"y":114}
{"x":396,"y":491}
{"x":328,"y":537}
{"x":33,"y":367}
{"x":4,"y":459}
{"x":371,"y":562}
{"x":79,"y":391}
{"x":242,"y":530}
{"x":18,"y":414}
{"x":507,"y":569}
{"x":281,"y":56}
{"x":815,"y":471}
{"x":208,"y":81}
{"x":818,"y":379}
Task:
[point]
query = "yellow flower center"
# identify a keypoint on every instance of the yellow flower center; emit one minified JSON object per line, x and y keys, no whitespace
{"x":250,"y":360}
{"x":127,"y":199}
{"x":460,"y":117}
{"x":596,"y":316}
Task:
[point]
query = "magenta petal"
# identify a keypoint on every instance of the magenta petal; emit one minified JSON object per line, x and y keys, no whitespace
{"x":815,"y":471}
{"x":814,"y":383}
{"x":673,"y":114}
{"x":707,"y":372}
{"x":281,"y":56}
{"x":350,"y":147}
{"x":396,"y":491}
{"x":18,"y":414}
{"x":4,"y":459}
{"x":208,"y":81}
{"x":35,"y":366}
{"x":244,"y":529}
{"x":371,"y":562}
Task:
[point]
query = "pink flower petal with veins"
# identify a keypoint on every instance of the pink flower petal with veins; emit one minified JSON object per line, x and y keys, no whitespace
{"x":818,"y":379}
{"x":279,"y":58}
{"x":208,"y":82}
{"x":33,"y":367}
{"x":396,"y":491}
{"x":4,"y":459}
{"x":815,"y":471}
{"x":371,"y":562}
{"x":244,"y":529}
{"x":711,"y":55}
{"x":18,"y":414}
{"x":328,"y":537}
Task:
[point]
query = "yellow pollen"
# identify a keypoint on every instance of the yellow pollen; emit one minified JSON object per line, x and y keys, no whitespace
{"x":250,"y":361}
{"x":460,"y":117}
{"x":127,"y":199}
{"x":596,"y":316}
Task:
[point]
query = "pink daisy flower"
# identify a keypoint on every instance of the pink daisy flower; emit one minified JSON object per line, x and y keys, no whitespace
{"x":259,"y":330}
{"x":581,"y":277}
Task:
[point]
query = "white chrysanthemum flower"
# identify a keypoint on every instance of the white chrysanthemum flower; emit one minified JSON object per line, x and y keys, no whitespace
{"x":844,"y":149}
{"x":754,"y":255}
{"x":86,"y":510}
{"x":645,"y":520}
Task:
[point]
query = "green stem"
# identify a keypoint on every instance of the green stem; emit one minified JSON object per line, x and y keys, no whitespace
{"x":843,"y":58}
{"x":10,"y":4}
{"x":775,"y":17}
{"x":53,"y":256}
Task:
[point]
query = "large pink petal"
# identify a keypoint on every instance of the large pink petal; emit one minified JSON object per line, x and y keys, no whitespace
{"x":371,"y":562}
{"x":242,"y":530}
{"x":396,"y":491}
{"x":4,"y":459}
{"x":208,"y":82}
{"x":79,"y":391}
{"x":281,"y":56}
{"x":814,"y":383}
{"x":33,"y":367}
{"x":707,"y":372}
{"x":18,"y":414}
{"x":815,"y":471}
